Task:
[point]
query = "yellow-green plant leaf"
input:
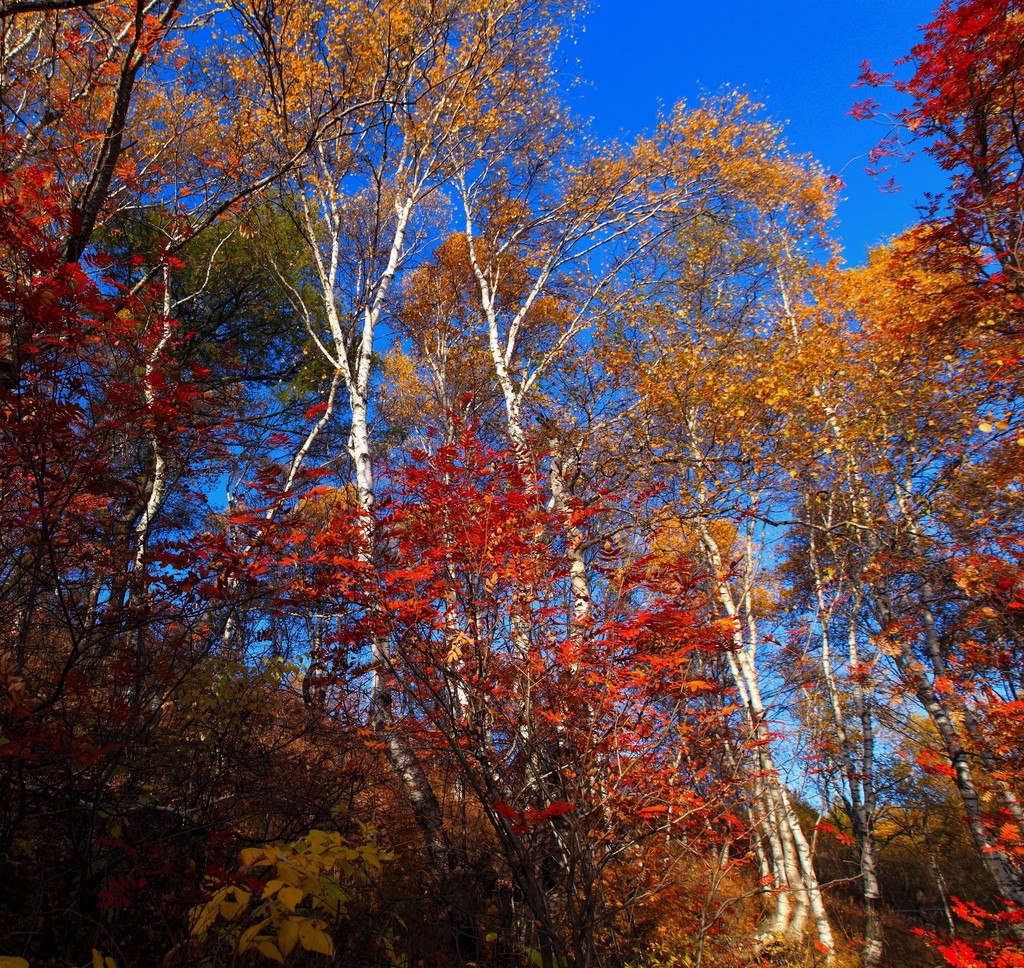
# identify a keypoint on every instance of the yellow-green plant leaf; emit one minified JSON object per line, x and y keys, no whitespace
{"x":330,"y":898}
{"x":9,"y":961}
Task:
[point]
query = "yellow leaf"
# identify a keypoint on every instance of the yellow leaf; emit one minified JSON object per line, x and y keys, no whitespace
{"x":314,"y":938}
{"x":269,"y":950}
{"x":272,"y":887}
{"x":202,"y":917}
{"x":230,"y":909}
{"x":985,"y":427}
{"x":7,"y":961}
{"x":287,"y":935}
{"x":289,"y":874}
{"x":290,"y":896}
{"x":251,"y":855}
{"x":248,"y":938}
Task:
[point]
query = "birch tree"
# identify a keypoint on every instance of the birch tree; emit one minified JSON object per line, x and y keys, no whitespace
{"x":410,"y":88}
{"x":712,"y":427}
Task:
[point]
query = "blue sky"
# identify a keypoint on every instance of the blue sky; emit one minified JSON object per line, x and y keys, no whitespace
{"x":799,"y":58}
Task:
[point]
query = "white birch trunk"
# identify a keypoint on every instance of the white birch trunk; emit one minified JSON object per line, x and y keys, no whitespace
{"x":857,"y":769}
{"x":1008,"y":877}
{"x":801,"y":880}
{"x":575,"y":541}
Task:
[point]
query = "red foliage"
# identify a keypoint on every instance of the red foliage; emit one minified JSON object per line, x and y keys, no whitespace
{"x":470,"y":587}
{"x":609,"y":730}
{"x":1002,"y":949}
{"x":966,"y":91}
{"x":101,"y":621}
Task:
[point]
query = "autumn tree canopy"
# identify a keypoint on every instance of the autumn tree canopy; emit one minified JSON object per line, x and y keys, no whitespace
{"x":432,"y":534}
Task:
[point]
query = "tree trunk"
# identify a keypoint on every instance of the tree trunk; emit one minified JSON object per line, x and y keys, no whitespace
{"x":802,"y":882}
